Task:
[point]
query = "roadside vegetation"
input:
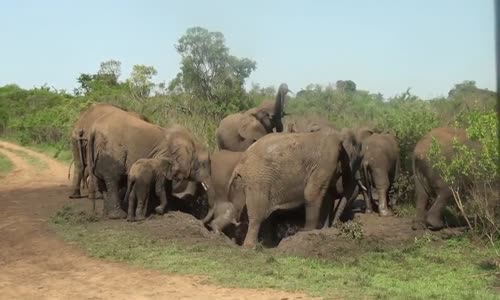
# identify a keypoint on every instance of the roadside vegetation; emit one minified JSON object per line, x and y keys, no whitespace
{"x":6,"y":165}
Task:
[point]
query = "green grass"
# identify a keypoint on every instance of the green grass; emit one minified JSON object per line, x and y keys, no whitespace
{"x":449,"y":269}
{"x":6,"y":165}
{"x":30,"y":159}
{"x":54,"y":151}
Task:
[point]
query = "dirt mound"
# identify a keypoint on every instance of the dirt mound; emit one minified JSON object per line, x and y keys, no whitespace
{"x":180,"y":227}
{"x":365,"y":232}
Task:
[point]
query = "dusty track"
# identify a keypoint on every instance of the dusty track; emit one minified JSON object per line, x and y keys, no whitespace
{"x":35,"y":264}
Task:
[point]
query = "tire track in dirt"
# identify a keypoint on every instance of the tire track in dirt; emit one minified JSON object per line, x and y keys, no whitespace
{"x":36,"y":264}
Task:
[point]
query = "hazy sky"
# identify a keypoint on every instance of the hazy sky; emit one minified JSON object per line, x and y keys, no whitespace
{"x":383,"y":46}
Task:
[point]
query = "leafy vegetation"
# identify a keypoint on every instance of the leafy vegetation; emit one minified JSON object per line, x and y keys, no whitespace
{"x":5,"y":165}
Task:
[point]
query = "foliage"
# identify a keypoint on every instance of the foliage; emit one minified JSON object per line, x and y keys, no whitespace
{"x":5,"y":165}
{"x":209,"y":73}
{"x":473,"y":172}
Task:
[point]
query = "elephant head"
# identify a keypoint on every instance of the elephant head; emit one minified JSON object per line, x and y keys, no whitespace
{"x":269,"y":114}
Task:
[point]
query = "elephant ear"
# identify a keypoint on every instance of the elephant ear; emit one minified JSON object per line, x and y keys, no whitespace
{"x":313,"y":127}
{"x":251,"y":129}
{"x":364,"y":133}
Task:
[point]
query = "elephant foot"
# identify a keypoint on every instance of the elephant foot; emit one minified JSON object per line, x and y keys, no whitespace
{"x":368,"y":211}
{"x":385,"y":213}
{"x":140,"y":218}
{"x":434,"y":224}
{"x":159,"y":210}
{"x":117,"y":213}
{"x":418,"y":225}
{"x":130,"y":219}
{"x":249,"y":246}
{"x":76,"y":196}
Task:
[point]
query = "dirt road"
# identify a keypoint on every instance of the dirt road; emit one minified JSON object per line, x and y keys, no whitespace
{"x":35,"y":264}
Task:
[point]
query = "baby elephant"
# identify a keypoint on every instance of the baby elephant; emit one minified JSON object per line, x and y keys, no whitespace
{"x":144,"y":175}
{"x":379,"y":169}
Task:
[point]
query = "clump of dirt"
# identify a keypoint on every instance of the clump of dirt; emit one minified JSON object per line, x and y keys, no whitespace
{"x":367,"y":232}
{"x":180,"y":227}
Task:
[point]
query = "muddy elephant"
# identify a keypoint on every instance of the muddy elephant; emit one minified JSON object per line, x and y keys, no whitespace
{"x":79,"y":138}
{"x":220,"y":211}
{"x":237,"y":132}
{"x":352,"y":139}
{"x":148,"y":175}
{"x":429,"y":184}
{"x":379,"y":169}
{"x":116,"y":141}
{"x":283,"y":171}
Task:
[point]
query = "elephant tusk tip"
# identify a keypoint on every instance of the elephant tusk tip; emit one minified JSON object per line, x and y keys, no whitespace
{"x":204,"y":185}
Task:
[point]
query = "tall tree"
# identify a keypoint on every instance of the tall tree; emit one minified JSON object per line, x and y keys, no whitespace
{"x":208,"y":71}
{"x":140,"y":81}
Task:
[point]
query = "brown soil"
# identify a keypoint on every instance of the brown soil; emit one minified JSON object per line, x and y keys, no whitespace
{"x":36,"y":264}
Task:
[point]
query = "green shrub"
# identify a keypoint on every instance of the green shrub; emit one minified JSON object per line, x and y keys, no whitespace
{"x":473,"y":172}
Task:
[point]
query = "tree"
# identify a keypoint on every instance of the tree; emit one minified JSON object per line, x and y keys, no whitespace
{"x":109,"y":72}
{"x":345,"y":85}
{"x":107,"y":76}
{"x":208,"y":71}
{"x":140,"y":83}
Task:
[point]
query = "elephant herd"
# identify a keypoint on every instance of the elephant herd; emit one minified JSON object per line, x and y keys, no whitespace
{"x":259,"y":167}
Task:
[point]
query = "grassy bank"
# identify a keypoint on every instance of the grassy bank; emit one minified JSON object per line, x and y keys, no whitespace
{"x":6,"y":165}
{"x":426,"y":269}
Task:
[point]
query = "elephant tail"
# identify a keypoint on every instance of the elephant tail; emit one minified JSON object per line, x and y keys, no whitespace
{"x":397,"y":169}
{"x":130,"y":186}
{"x":69,"y":169}
{"x":236,"y":193}
{"x":81,"y":147}
{"x":91,"y":152}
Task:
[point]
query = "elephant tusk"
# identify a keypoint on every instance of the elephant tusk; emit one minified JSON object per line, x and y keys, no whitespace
{"x":204,"y":185}
{"x":362,"y":186}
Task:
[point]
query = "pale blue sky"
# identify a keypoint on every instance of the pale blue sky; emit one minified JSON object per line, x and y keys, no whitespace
{"x":383,"y":46}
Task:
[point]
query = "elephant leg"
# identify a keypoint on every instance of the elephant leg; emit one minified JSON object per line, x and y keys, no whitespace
{"x":161,"y":193}
{"x":381,"y":180}
{"x":78,"y":171}
{"x":435,"y":214}
{"x":131,"y":203}
{"x":368,"y":202}
{"x":112,"y":203}
{"x":258,"y":210}
{"x":142,"y":194}
{"x":91,"y":187}
{"x":314,"y":194}
{"x":422,"y":198}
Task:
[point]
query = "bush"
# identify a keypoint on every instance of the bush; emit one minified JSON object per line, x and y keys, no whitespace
{"x":473,"y":173}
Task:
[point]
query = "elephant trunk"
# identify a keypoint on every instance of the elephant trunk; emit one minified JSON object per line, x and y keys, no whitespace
{"x":279,"y":106}
{"x":348,"y":186}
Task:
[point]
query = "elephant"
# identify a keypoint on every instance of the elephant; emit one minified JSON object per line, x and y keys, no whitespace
{"x":379,"y":169}
{"x":144,"y":175}
{"x":116,"y":141}
{"x":287,"y":170}
{"x":79,"y":137}
{"x":429,"y":183}
{"x":236,"y":132}
{"x":352,"y":139}
{"x":222,"y":164}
